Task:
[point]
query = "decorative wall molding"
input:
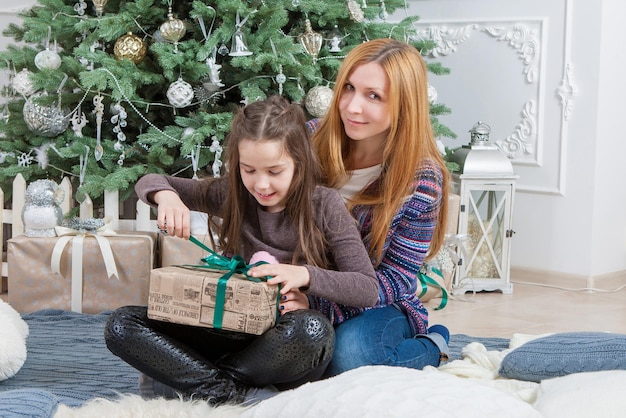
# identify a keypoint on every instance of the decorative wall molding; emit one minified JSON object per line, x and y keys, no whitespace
{"x":521,"y":140}
{"x":519,"y":36}
{"x":527,"y":37}
{"x":566,"y":91}
{"x":446,"y":39}
{"x":526,"y":42}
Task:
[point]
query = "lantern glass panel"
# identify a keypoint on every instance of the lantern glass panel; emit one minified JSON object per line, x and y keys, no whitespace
{"x":486,"y":229}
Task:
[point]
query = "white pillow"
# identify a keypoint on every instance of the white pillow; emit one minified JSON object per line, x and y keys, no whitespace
{"x":376,"y":391}
{"x":590,"y":394}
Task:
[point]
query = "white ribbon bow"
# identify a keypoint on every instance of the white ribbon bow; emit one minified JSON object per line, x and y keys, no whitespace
{"x":77,"y":237}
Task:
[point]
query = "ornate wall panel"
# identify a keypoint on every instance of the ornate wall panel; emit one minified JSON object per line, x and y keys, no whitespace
{"x":510,"y":68}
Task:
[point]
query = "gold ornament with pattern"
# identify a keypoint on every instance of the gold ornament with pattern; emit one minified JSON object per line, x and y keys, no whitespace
{"x":130,"y":46}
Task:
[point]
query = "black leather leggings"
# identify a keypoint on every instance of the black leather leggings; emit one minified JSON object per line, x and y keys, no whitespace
{"x":217,"y":365}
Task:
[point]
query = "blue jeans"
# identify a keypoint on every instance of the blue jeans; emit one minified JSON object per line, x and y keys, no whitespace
{"x":380,"y":336}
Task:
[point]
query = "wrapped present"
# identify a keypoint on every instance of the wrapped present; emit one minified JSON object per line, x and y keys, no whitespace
{"x":218,"y":294}
{"x":82,"y":272}
{"x":176,"y":251}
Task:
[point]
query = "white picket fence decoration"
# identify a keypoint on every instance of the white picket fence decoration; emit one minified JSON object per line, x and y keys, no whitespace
{"x":13,"y":216}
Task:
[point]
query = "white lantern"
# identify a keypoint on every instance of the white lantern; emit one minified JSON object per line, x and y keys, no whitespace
{"x":486,"y":184}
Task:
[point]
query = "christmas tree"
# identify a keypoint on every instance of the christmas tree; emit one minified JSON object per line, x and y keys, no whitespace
{"x":106,"y":91}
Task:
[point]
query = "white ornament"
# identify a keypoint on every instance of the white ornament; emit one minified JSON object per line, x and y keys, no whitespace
{"x":180,"y":93}
{"x":215,"y":82}
{"x":239,"y":48}
{"x":318,"y":100}
{"x":216,"y":149}
{"x":24,"y":160}
{"x":41,"y":211}
{"x":79,"y":120}
{"x":188,"y":131}
{"x":432,"y":94}
{"x":22,"y":83}
{"x":47,"y":59}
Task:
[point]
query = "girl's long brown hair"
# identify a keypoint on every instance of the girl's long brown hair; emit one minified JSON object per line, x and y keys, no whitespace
{"x":275,"y":119}
{"x":410,"y":140}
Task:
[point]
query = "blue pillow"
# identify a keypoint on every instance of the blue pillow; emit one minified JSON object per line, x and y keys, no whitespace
{"x":565,"y":353}
{"x":31,"y":403}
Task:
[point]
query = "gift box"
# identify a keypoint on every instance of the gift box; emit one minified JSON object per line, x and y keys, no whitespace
{"x":212,"y":298}
{"x":83,"y":273}
{"x":175,"y":251}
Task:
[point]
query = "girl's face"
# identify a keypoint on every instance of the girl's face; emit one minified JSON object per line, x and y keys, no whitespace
{"x":364,"y":106}
{"x":266,"y":170}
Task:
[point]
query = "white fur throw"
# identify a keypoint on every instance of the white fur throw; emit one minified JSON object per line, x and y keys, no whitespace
{"x":13,"y":333}
{"x":366,"y":392}
{"x":133,"y":406}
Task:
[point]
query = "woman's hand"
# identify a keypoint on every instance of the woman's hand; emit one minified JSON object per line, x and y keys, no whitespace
{"x":292,"y":301}
{"x":172,"y":214}
{"x":289,"y":276}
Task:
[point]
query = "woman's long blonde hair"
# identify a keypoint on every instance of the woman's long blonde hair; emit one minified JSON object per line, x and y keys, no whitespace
{"x":409,"y":144}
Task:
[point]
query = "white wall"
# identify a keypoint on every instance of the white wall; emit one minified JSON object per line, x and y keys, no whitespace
{"x":609,"y":182}
{"x":570,"y":205}
{"x":570,"y":201}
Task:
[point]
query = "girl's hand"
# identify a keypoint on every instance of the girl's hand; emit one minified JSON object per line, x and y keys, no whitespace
{"x":172,"y":214}
{"x":289,"y":276}
{"x":292,"y":301}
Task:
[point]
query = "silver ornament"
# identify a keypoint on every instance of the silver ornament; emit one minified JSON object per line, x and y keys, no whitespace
{"x":41,"y":211}
{"x":22,"y":83}
{"x":180,"y":93}
{"x":318,"y":100}
{"x":84,"y":225}
{"x":42,"y":120}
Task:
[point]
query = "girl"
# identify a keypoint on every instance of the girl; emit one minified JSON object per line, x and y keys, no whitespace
{"x":269,"y":201}
{"x":376,"y":147}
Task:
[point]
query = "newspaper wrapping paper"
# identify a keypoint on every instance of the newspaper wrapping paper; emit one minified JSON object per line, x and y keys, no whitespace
{"x":218,"y":294}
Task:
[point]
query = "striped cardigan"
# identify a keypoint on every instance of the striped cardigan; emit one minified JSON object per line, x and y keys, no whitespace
{"x":404,"y":251}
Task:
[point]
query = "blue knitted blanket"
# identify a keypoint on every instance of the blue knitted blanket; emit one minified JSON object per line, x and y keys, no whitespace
{"x":68,"y":363}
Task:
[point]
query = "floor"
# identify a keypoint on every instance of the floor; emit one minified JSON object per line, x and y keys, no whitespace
{"x":531,"y":309}
{"x":534,"y":309}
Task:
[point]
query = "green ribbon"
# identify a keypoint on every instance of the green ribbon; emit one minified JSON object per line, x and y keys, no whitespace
{"x":426,"y":280}
{"x":233,"y":265}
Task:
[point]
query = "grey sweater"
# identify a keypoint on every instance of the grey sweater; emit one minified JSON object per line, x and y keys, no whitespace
{"x":350,"y":280}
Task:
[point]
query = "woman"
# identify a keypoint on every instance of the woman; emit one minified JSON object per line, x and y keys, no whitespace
{"x":376,"y":146}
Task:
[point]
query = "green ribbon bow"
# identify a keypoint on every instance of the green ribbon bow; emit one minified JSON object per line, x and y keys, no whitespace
{"x":233,"y":265}
{"x":426,"y":280}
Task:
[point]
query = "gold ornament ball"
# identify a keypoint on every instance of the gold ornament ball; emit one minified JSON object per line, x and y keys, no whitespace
{"x":173,"y":29}
{"x":130,"y":46}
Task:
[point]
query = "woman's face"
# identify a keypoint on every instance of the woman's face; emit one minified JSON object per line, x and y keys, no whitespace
{"x":266,"y":171}
{"x":364,"y":104}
